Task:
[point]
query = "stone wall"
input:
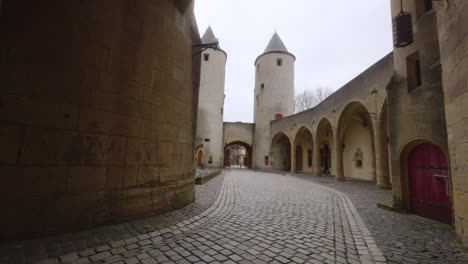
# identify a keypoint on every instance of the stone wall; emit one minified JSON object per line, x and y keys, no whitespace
{"x":452,"y":17}
{"x":97,"y":103}
{"x":238,"y":131}
{"x":415,"y":116}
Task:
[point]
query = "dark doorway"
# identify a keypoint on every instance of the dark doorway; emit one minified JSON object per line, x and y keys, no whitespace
{"x":325,"y":158}
{"x":299,"y":159}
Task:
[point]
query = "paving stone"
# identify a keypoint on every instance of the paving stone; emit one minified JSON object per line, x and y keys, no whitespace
{"x":263,"y":218}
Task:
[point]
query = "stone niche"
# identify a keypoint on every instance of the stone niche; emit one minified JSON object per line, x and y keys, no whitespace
{"x":97,"y":103}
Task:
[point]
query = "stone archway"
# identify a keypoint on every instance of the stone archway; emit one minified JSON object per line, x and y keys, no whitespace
{"x":324,"y":145}
{"x":281,"y":152}
{"x":303,"y":155}
{"x":355,"y":128}
{"x":245,"y":158}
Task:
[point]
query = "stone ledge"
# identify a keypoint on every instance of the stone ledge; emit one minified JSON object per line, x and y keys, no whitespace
{"x":202,"y":179}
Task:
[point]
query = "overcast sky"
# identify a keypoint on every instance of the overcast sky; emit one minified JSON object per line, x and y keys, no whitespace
{"x":333,"y":41}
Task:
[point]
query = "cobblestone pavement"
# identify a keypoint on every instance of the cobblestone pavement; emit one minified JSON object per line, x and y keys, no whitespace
{"x":55,"y":246}
{"x":404,"y":238}
{"x":252,"y":217}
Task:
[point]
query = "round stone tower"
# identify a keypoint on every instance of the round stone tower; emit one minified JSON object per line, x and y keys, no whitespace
{"x":273,"y":95}
{"x":211,"y":104}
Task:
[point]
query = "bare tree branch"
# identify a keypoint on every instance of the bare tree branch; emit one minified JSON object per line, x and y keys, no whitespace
{"x":310,"y":98}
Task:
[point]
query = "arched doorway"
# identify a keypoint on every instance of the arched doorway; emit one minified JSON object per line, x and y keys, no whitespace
{"x":238,"y":153}
{"x":325,"y":147}
{"x":428,"y":183}
{"x":356,"y":134}
{"x":299,"y":159}
{"x":281,"y":152}
{"x":303,"y":151}
{"x":325,"y":158}
{"x":200,"y":158}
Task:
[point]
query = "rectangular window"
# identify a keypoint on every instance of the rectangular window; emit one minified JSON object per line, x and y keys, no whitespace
{"x":262,"y":85}
{"x":206,"y":57}
{"x":279,"y":62}
{"x":413,"y":71}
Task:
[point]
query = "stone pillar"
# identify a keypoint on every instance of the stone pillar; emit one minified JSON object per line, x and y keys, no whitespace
{"x":381,"y":160}
{"x":316,"y":157}
{"x":293,"y":158}
{"x":338,"y":162}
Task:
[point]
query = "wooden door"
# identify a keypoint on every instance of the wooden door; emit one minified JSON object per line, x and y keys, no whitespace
{"x":428,"y":181}
{"x":200,"y":158}
{"x":227,"y":153}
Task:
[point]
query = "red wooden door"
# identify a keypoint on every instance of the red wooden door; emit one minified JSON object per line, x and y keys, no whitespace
{"x":429,"y":183}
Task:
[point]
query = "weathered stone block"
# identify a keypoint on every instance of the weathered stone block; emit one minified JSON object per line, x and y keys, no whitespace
{"x":115,"y":177}
{"x":29,"y":111}
{"x":165,"y":152}
{"x":86,"y":179}
{"x":10,"y":143}
{"x":169,"y":174}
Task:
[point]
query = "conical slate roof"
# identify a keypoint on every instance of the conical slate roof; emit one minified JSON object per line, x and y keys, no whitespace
{"x":209,"y":37}
{"x":275,"y":45}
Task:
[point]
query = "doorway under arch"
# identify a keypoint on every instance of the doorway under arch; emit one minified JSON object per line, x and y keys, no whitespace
{"x":234,"y":155}
{"x":281,"y":152}
{"x":325,"y":143}
{"x":299,"y":159}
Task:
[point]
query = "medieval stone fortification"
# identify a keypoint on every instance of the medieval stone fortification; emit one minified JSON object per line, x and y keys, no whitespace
{"x":401,"y":123}
{"x":99,"y":103}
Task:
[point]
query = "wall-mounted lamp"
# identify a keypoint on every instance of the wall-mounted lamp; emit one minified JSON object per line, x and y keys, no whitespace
{"x":402,"y":29}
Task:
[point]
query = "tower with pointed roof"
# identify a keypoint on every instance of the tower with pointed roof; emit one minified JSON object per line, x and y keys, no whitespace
{"x":209,"y":140}
{"x":273,"y":95}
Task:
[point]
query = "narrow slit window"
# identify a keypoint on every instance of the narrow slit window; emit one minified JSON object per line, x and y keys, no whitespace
{"x":262,"y":85}
{"x":279,"y":62}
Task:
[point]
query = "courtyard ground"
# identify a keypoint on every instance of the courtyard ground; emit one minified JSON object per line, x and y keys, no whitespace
{"x":244,"y":216}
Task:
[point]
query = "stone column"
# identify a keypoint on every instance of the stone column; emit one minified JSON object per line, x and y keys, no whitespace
{"x":338,"y":162}
{"x":381,"y":160}
{"x":316,"y":157}
{"x":293,"y":158}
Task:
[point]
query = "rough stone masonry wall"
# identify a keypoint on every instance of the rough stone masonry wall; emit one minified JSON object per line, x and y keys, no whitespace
{"x":415,"y":116}
{"x":96,"y":112}
{"x":453,"y":37}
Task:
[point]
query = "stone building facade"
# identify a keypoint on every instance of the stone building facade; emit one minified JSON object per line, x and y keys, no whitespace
{"x":98,"y":104}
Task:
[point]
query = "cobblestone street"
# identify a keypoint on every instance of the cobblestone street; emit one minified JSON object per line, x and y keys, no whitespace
{"x":244,"y":216}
